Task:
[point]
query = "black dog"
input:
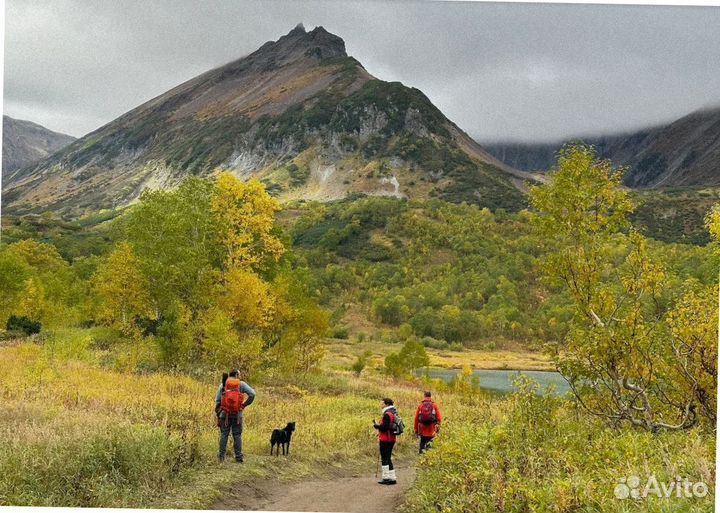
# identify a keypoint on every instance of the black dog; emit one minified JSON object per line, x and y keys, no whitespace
{"x":281,"y":437}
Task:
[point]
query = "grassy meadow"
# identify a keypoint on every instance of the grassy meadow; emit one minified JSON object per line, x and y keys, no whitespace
{"x":342,"y":353}
{"x":77,"y":433}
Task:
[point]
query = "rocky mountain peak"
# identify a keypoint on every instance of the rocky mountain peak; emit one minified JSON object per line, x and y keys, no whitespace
{"x":299,"y":29}
{"x":318,"y":43}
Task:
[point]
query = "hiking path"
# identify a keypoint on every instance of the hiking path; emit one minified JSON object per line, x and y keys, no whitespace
{"x":350,"y":493}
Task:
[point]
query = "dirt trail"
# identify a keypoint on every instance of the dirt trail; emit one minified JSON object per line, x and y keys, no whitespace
{"x":356,"y":494}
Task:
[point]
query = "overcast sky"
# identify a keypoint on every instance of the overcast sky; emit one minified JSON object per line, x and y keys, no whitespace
{"x":533,"y":72}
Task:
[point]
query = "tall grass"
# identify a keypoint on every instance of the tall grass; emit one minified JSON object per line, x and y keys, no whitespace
{"x":530,"y":453}
{"x":75,"y":434}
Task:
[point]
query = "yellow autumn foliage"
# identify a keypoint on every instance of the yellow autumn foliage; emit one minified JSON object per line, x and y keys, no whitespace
{"x":121,"y":289}
{"x":246,"y":215}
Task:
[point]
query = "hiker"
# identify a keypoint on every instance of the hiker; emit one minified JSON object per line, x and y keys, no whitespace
{"x":229,"y":405}
{"x":427,"y":421}
{"x":387,"y":433}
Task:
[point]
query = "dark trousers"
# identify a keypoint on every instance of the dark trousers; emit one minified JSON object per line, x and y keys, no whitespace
{"x":234,"y":425}
{"x":424,"y":441}
{"x":386,"y":449}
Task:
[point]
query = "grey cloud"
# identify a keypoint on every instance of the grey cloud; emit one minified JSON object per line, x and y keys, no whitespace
{"x":500,"y":71}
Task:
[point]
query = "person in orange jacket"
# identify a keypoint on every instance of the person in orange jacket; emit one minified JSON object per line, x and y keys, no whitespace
{"x":427,"y":421}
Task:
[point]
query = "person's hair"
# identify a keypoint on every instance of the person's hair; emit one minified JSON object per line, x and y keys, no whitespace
{"x":428,"y":393}
{"x":224,"y":378}
{"x":234,"y":373}
{"x":388,"y":402}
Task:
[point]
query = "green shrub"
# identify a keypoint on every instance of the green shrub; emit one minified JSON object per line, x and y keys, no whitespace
{"x":340,"y":332}
{"x":434,"y":343}
{"x":360,"y":363}
{"x":23,"y":324}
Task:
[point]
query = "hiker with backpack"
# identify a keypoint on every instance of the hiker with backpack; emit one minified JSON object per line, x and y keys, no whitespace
{"x":230,"y":401}
{"x":389,"y":428}
{"x":427,"y":421}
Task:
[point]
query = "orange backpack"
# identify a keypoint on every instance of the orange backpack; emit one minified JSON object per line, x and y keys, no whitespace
{"x":232,"y":399}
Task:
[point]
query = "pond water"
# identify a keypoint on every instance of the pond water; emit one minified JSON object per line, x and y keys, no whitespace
{"x":502,"y":380}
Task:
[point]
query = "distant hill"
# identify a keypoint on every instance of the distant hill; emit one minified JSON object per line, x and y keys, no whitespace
{"x":25,"y":143}
{"x":683,"y":153}
{"x":299,"y":114}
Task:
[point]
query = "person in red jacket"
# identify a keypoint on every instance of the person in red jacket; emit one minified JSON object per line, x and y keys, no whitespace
{"x":427,"y":421}
{"x":387,"y":437}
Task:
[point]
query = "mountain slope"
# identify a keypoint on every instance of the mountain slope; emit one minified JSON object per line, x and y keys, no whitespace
{"x":685,"y":152}
{"x":25,"y":143}
{"x":297,"y":113}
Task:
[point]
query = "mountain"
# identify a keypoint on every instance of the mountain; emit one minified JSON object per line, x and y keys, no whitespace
{"x":683,"y":153}
{"x":25,"y":143}
{"x":537,"y":157}
{"x":299,"y":114}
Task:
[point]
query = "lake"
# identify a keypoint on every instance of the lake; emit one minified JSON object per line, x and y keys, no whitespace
{"x":501,"y":380}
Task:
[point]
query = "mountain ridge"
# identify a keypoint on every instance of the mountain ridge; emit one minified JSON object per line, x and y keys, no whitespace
{"x":25,"y":143}
{"x":297,"y":113}
{"x":684,"y":152}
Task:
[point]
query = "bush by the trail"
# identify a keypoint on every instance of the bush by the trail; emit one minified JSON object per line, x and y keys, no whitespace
{"x":23,"y":324}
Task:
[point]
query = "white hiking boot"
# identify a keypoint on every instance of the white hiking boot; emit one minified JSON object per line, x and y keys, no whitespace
{"x":385,"y":475}
{"x":392,"y":478}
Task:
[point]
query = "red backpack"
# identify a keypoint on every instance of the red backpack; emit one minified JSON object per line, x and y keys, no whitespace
{"x":232,"y":399}
{"x":428,"y":414}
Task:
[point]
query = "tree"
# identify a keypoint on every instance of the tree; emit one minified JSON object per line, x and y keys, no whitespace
{"x":694,"y":337}
{"x":295,"y":337}
{"x":694,"y":333}
{"x":465,"y":383}
{"x":14,"y":272}
{"x":391,"y":310}
{"x":394,"y":365}
{"x":174,"y":236}
{"x":304,"y":338}
{"x":33,"y":302}
{"x":121,"y":290}
{"x":225,"y":347}
{"x":245,"y":213}
{"x":617,"y":355}
{"x":247,"y":299}
{"x":47,"y":281}
{"x":411,"y":357}
{"x":360,"y":363}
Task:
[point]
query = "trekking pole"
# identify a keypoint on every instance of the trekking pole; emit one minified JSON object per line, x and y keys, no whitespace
{"x":377,"y":469}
